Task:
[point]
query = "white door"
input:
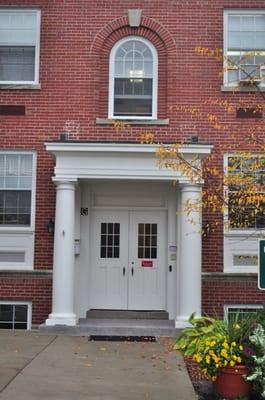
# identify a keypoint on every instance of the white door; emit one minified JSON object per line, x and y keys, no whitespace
{"x":147,"y":260}
{"x":128,"y":261}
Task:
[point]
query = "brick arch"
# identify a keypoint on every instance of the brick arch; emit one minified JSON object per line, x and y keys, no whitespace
{"x":122,"y":22}
{"x":119,"y":29}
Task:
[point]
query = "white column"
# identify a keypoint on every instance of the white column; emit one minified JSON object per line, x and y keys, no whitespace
{"x":63,"y":263}
{"x":190,"y":256}
{"x":172,"y":255}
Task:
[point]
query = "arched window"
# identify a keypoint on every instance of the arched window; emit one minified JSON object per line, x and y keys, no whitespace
{"x":133,"y":79}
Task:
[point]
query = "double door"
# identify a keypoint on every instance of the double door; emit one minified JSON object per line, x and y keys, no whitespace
{"x":128,"y":260}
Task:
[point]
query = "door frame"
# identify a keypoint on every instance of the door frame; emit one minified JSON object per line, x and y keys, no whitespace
{"x":130,"y":210}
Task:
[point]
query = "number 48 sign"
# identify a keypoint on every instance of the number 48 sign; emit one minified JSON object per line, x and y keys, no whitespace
{"x":261,"y":264}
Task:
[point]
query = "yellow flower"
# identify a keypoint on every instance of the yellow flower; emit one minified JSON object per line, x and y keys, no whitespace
{"x":233,"y":344}
{"x":232,"y":363}
{"x":213,"y":343}
{"x":240,"y":347}
{"x":239,"y":359}
{"x":225,"y":345}
{"x":234,"y":358}
{"x":237,"y":326}
{"x":208,"y":359}
{"x":224,"y":353}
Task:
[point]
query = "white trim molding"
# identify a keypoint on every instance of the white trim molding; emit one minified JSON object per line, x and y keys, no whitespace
{"x":86,"y":160}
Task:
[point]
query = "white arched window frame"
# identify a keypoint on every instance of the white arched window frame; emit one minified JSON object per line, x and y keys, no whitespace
{"x":134,"y":74}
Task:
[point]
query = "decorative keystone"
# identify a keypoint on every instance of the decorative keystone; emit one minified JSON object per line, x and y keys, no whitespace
{"x":134,"y":17}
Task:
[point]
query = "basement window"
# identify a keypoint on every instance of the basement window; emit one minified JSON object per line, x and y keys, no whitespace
{"x":15,"y":315}
{"x":237,"y":312}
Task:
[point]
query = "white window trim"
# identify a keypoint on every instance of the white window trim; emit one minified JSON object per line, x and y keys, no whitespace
{"x":227,"y":12}
{"x":37,"y":48}
{"x":24,"y":303}
{"x":236,"y":306}
{"x":111,"y":80}
{"x":31,"y":228}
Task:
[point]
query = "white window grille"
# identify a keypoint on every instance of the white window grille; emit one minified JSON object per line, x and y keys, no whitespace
{"x":133,"y":80}
{"x":19,"y":46}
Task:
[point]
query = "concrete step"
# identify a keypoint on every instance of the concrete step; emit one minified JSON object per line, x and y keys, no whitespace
{"x":127,"y":314}
{"x":115,"y":327}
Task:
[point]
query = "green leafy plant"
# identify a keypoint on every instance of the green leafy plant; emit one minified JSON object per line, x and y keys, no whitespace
{"x":258,"y":369}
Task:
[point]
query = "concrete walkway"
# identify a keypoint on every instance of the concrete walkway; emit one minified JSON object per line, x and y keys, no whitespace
{"x":37,"y":367}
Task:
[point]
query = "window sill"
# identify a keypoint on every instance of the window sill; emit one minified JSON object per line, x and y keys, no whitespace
{"x":108,"y":121}
{"x":19,"y":86}
{"x":242,"y":89}
{"x":251,"y":233}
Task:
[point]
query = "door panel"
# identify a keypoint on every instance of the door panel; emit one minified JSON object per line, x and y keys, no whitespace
{"x":109,"y":250}
{"x":147,"y":260}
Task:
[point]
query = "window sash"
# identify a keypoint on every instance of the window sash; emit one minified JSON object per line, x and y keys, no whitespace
{"x":239,"y":217}
{"x":17,"y":189}
{"x":15,"y":317}
{"x":244,"y":44}
{"x":117,"y":100}
{"x":19,"y":29}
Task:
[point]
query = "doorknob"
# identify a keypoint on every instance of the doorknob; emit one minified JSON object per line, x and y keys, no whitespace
{"x":123,"y":271}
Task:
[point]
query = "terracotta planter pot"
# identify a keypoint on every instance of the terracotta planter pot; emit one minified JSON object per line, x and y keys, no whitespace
{"x":230,"y":382}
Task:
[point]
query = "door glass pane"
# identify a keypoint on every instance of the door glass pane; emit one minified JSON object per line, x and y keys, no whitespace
{"x":110,"y":240}
{"x":147,"y":240}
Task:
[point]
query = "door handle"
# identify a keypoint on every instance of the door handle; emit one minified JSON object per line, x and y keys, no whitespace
{"x":132,"y":271}
{"x":123,"y":271}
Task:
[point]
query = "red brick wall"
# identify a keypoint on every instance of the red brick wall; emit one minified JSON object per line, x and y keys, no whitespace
{"x":76,"y":38}
{"x":36,"y":290}
{"x":217,"y":293}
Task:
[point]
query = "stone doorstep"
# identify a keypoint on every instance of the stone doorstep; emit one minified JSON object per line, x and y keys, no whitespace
{"x":114,"y":327}
{"x":127,"y":314}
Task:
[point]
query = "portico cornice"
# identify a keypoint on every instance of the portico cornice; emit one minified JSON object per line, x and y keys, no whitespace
{"x":123,"y":161}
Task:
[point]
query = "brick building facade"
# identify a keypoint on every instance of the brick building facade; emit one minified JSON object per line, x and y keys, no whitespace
{"x":59,"y":63}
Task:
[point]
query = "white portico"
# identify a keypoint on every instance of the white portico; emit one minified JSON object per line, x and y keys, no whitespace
{"x":119,"y":241}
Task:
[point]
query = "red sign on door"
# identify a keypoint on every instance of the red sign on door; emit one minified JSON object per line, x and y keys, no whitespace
{"x":147,"y":263}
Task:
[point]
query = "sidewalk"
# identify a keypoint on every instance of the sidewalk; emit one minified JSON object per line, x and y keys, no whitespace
{"x":37,"y":367}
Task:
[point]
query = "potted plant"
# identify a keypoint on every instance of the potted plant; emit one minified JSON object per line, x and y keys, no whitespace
{"x":218,"y":348}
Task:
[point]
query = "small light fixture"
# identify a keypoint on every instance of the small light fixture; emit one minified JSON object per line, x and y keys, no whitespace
{"x":50,"y":226}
